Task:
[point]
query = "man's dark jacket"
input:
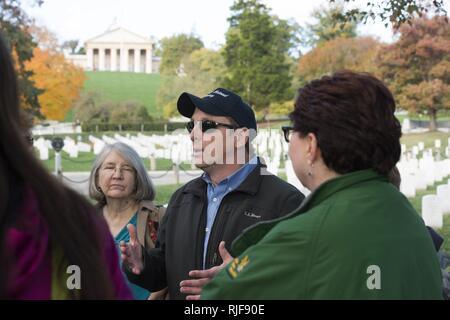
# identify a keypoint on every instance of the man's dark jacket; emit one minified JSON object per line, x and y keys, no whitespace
{"x":179,"y":248}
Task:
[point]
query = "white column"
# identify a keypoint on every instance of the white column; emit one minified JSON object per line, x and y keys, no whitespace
{"x":148,"y":60}
{"x":101,"y":61}
{"x":124,"y":59}
{"x":90,"y":59}
{"x":137,"y":60}
{"x":113,"y":59}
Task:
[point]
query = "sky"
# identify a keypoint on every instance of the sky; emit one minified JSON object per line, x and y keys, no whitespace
{"x":85,"y":19}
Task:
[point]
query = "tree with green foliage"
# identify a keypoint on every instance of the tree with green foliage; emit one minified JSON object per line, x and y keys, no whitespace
{"x":256,"y":54}
{"x":417,"y":66}
{"x":88,"y":109}
{"x":203,"y":71}
{"x":326,"y":27}
{"x":281,"y":108}
{"x":91,"y":109}
{"x":129,"y":112}
{"x":14,"y":25}
{"x":175,"y":49}
{"x":395,"y":12}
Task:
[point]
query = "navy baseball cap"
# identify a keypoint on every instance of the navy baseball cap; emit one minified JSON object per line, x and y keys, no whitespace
{"x":220,"y":102}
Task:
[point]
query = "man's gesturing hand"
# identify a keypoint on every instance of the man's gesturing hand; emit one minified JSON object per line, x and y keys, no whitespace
{"x":193,"y":287}
{"x":131,"y":253}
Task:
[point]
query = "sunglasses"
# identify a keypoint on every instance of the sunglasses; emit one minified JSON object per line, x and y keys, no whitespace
{"x":287,"y":131}
{"x":207,"y":125}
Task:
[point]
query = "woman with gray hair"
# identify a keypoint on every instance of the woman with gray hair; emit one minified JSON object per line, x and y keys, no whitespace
{"x":124,"y":192}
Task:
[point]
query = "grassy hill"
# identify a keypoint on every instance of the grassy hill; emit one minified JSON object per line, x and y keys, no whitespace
{"x":125,"y":86}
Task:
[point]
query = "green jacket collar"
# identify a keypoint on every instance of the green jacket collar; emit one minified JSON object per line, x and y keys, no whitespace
{"x":254,"y":233}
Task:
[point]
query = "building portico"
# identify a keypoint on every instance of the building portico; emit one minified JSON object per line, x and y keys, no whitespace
{"x":119,"y":50}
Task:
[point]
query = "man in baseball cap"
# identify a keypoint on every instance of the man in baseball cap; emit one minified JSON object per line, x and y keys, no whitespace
{"x":230,"y":196}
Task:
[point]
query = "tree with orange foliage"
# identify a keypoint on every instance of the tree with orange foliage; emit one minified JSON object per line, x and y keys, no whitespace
{"x":61,"y":81}
{"x":417,"y":66}
{"x":357,"y":54}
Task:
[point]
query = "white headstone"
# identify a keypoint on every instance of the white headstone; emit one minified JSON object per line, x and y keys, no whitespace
{"x":432,"y":211}
{"x":408,"y":185}
{"x":421,"y":181}
{"x":406,"y":126}
{"x":83,"y":147}
{"x":443,"y":194}
{"x":43,"y":153}
{"x":421,"y":146}
{"x":437,"y":143}
{"x":98,"y":146}
{"x":415,"y":150}
{"x":438,"y":170}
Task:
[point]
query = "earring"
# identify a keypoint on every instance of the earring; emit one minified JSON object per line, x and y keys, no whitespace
{"x":312,"y":167}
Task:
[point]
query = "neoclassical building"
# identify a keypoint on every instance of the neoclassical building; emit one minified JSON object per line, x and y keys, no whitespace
{"x":118,"y":50}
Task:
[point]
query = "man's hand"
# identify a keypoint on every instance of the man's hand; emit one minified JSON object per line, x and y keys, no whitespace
{"x":131,"y":253}
{"x":194,"y":286}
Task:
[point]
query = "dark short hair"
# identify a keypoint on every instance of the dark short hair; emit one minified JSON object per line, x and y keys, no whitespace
{"x":352,"y":116}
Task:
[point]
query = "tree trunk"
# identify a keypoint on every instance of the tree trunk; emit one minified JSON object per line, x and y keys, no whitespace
{"x":433,"y":122}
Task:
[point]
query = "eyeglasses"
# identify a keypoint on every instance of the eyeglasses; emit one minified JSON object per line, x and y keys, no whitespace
{"x":207,"y":125}
{"x":287,"y":131}
{"x":110,"y":167}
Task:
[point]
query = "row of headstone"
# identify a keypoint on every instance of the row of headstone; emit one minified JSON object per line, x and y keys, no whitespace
{"x":141,"y":150}
{"x":177,"y":147}
{"x":71,"y":147}
{"x":419,"y":174}
{"x":422,"y":167}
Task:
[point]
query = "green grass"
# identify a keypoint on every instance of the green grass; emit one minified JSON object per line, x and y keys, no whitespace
{"x":163,"y":193}
{"x":125,"y":86}
{"x":81,"y":164}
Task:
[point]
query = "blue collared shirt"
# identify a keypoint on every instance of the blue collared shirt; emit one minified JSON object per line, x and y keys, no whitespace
{"x":215,"y":195}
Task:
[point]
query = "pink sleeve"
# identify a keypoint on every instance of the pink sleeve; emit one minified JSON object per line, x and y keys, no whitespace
{"x":112,"y":259}
{"x":121,"y":289}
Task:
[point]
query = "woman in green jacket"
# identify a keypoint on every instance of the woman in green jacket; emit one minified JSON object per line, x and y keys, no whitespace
{"x":356,"y":236}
